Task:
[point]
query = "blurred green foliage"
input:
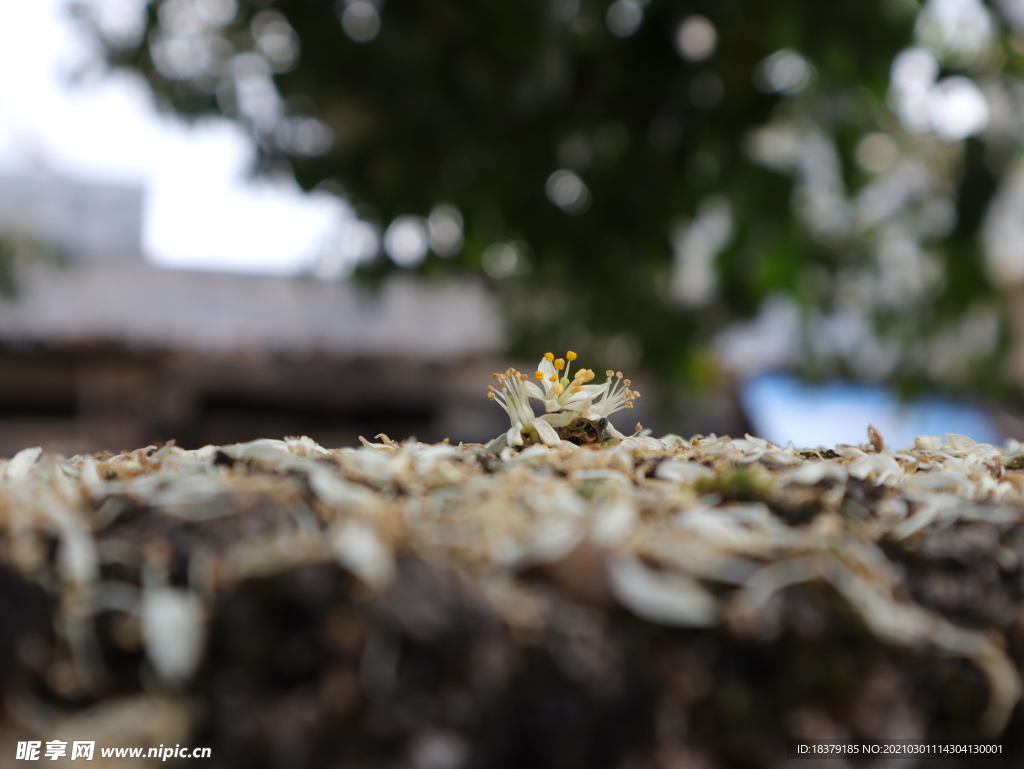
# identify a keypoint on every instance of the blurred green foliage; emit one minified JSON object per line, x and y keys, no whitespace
{"x":477,"y":104}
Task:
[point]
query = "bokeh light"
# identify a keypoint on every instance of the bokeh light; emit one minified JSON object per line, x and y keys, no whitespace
{"x":444,"y":226}
{"x":360,"y":19}
{"x":958,"y":109}
{"x":877,"y":152}
{"x":958,"y":30}
{"x":406,"y":241}
{"x":568,"y":191}
{"x":624,"y":17}
{"x":785,"y":72}
{"x":696,"y":38}
{"x":276,"y":39}
{"x":218,"y":12}
{"x":500,"y":260}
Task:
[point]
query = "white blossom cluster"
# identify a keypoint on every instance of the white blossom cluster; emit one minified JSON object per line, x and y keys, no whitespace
{"x":565,"y":401}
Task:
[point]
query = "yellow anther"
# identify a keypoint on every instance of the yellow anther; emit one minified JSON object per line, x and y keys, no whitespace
{"x":570,"y":355}
{"x":553,"y":378}
{"x":491,"y":395}
{"x":549,"y":356}
{"x":558,"y":389}
{"x":495,"y":376}
{"x":576,"y":389}
{"x":609,"y":372}
{"x":626,"y":382}
{"x":639,"y":427}
{"x":522,"y":377}
{"x":628,"y":405}
{"x":618,"y":374}
{"x":559,"y":364}
{"x":539,"y":375}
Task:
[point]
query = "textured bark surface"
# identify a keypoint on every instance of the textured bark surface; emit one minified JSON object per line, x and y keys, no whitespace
{"x":368,"y":609}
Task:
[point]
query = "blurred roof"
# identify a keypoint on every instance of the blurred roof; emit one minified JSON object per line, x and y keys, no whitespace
{"x":108,"y":294}
{"x":144,"y":307}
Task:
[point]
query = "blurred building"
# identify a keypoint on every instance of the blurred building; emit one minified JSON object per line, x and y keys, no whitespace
{"x":101,"y":350}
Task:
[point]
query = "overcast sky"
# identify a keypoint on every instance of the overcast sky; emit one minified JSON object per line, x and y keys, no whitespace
{"x":201,"y":210}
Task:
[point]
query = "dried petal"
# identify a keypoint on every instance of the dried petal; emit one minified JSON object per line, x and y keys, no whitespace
{"x":668,"y":599}
{"x":174,"y":633}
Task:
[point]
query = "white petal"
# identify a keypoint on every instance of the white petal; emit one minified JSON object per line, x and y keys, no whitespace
{"x":514,"y":436}
{"x":19,"y":466}
{"x":613,"y":521}
{"x":682,"y":472}
{"x":668,"y":599}
{"x":610,"y":429}
{"x":959,"y":442}
{"x":90,"y":477}
{"x":550,"y":540}
{"x":581,"y":403}
{"x":77,"y":556}
{"x":338,"y":493}
{"x":264,"y":450}
{"x":173,"y":632}
{"x":561,"y":419}
{"x":495,"y":446}
{"x":359,"y":549}
{"x":533,"y":390}
{"x":546,"y":432}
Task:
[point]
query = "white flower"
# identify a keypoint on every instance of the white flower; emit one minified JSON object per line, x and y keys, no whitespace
{"x":512,"y":394}
{"x":615,"y":395}
{"x":559,"y":392}
{"x":565,"y":400}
